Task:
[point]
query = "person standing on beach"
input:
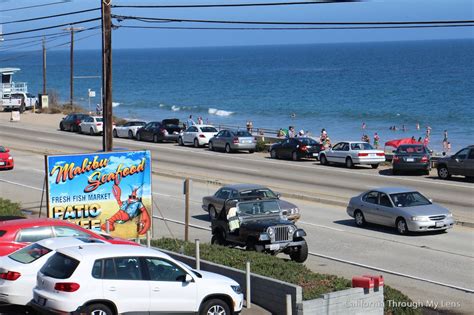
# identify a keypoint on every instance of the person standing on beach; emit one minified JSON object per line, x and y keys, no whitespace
{"x":376,"y":140}
{"x":200,"y":121}
{"x":445,"y":142}
{"x":291,"y":132}
{"x":249,"y":125}
{"x":190,"y":122}
{"x":364,"y":125}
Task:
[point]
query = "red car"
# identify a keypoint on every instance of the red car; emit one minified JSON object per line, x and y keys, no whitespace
{"x":15,"y":234}
{"x":6,"y":160}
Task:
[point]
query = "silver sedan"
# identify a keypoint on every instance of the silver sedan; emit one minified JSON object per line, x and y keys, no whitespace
{"x":403,"y":208}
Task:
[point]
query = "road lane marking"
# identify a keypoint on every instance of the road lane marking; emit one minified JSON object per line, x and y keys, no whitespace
{"x":18,"y":184}
{"x":321,"y":226}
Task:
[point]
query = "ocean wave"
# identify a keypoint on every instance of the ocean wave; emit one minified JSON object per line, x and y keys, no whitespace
{"x":115,"y":104}
{"x":219,"y":112}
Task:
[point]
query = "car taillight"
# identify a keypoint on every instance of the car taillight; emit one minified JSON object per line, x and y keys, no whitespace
{"x":424,"y":159}
{"x":67,"y":286}
{"x":78,"y":121}
{"x":202,"y":136}
{"x":363,"y":154}
{"x":235,"y":140}
{"x":303,"y":148}
{"x":395,"y":158}
{"x":380,"y":154}
{"x":10,"y":275}
{"x":99,"y":124}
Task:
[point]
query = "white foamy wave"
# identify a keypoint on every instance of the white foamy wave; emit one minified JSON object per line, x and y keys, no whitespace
{"x":175,"y":108}
{"x":219,"y":112}
{"x":115,"y":104}
{"x":162,"y":105}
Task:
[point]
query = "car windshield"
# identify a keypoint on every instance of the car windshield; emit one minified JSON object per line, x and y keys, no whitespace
{"x":242,"y":133}
{"x":2,"y":149}
{"x":361,"y":146}
{"x":258,"y":207}
{"x":137,"y":123}
{"x":99,"y":119}
{"x":409,"y":199}
{"x":257,"y":193}
{"x":29,"y":254}
{"x":208,"y":129}
{"x":411,"y":149}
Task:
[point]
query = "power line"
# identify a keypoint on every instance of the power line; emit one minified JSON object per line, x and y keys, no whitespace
{"x":290,"y":28}
{"x":50,"y":16}
{"x":34,"y":6}
{"x":154,"y":20}
{"x":50,"y":27}
{"x":174,"y":6}
{"x":50,"y":34}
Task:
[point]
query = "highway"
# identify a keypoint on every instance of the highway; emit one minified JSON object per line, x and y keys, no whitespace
{"x":442,"y":263}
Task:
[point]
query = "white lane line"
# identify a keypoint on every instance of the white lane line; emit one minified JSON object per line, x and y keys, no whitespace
{"x":164,"y":195}
{"x":321,"y":226}
{"x":18,"y":184}
{"x":345,"y":261}
{"x":396,"y":273}
{"x":51,"y":140}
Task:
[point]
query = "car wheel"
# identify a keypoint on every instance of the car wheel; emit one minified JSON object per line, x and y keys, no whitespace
{"x":251,"y":151}
{"x":211,"y":146}
{"x":196,"y":143}
{"x":61,"y":127}
{"x":375,"y":166}
{"x":139,"y":138}
{"x":253,"y":246}
{"x":218,"y":239}
{"x":359,"y":218}
{"x":180,"y":141}
{"x":443,"y":172}
{"x":130,"y":134}
{"x":301,"y":254}
{"x":214,"y":306}
{"x":273,"y":154}
{"x":91,"y":131}
{"x":115,"y":134}
{"x":227,"y":148}
{"x":349,"y":163}
{"x":212,"y":213}
{"x":294,"y":156}
{"x":98,"y":309}
{"x":323,"y":160}
{"x":402,"y":227}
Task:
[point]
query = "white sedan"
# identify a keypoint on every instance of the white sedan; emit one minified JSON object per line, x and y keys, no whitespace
{"x":128,"y":130}
{"x":18,"y":270}
{"x":197,"y":135}
{"x":351,"y":153}
{"x":92,"y":125}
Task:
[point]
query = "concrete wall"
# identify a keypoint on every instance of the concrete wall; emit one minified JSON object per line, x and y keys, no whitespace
{"x":271,"y":293}
{"x":351,"y":301}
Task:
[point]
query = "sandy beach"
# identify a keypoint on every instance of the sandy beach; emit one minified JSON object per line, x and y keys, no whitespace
{"x":29,"y":118}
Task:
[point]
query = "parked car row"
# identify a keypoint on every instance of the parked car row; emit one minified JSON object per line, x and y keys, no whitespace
{"x":83,"y":273}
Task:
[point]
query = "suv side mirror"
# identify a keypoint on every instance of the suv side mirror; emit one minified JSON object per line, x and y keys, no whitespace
{"x":188,"y":278}
{"x":278,"y":195}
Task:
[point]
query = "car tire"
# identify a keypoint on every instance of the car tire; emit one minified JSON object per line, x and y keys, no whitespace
{"x":98,"y":309}
{"x":273,"y":154}
{"x":180,"y":141}
{"x":251,"y":151}
{"x":349,"y":163}
{"x":301,"y":255}
{"x":196,"y":143}
{"x":375,"y":166}
{"x":139,"y":138}
{"x":294,"y":156}
{"x":359,"y":218}
{"x":130,"y":134}
{"x":211,"y":146}
{"x":214,"y":306}
{"x":251,"y":245}
{"x":323,"y":160}
{"x":212,"y":213}
{"x":227,"y":148}
{"x":61,"y":127}
{"x":402,"y":226}
{"x":443,"y":172}
{"x":115,"y":134}
{"x":218,"y":239}
{"x":91,"y":131}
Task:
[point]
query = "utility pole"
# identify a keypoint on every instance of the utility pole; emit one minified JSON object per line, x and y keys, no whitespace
{"x":107,"y":74}
{"x":44,"y":66}
{"x":72,"y":30}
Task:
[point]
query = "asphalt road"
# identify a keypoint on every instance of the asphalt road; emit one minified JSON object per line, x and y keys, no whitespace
{"x":444,"y":258}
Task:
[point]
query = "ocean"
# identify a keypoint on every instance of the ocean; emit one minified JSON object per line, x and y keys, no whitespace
{"x":333,"y":86}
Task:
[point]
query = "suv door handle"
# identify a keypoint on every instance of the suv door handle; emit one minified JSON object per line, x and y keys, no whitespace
{"x":112,"y":289}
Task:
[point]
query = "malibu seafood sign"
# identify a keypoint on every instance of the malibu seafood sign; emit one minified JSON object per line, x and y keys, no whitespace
{"x":100,"y":190}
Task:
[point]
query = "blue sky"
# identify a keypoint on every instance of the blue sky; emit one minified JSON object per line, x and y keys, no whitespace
{"x":371,"y":10}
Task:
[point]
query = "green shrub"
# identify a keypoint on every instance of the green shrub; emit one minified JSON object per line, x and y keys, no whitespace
{"x":261,"y":146}
{"x":313,"y":284}
{"x":8,"y":208}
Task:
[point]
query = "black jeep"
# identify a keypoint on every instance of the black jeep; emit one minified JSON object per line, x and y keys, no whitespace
{"x":258,"y":225}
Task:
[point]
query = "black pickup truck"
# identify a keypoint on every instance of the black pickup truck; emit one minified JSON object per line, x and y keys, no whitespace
{"x":258,"y":225}
{"x":159,"y":131}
